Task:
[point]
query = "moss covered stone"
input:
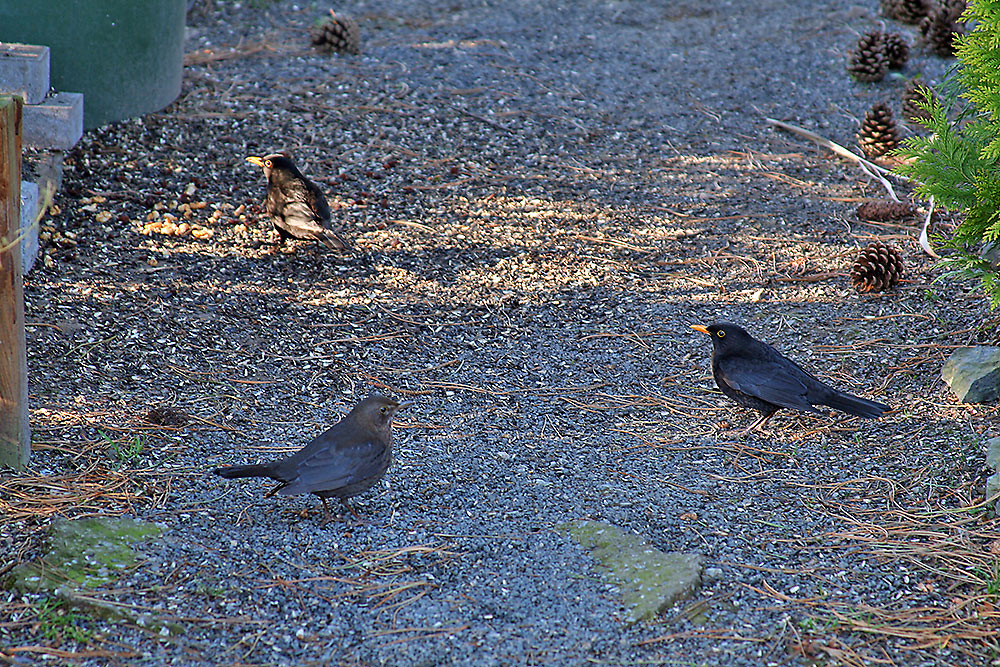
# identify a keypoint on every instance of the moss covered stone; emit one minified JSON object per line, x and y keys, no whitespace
{"x":85,"y":553}
{"x":650,"y":580}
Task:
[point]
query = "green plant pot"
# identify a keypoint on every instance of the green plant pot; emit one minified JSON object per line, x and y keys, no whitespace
{"x":125,"y":56}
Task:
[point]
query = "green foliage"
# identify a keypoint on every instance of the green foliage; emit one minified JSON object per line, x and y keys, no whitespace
{"x":816,"y":624}
{"x":57,"y":621}
{"x":957,"y":164}
{"x":128,"y":451}
{"x":991,"y":576}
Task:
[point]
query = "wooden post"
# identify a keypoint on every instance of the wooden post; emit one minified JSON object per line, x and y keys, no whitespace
{"x":15,"y":436}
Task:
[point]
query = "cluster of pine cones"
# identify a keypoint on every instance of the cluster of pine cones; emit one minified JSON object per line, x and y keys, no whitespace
{"x":877,"y":52}
{"x":879,"y":266}
{"x":938,"y":22}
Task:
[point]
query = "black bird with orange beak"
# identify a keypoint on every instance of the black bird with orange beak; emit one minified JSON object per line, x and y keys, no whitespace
{"x":757,"y":376}
{"x":295,"y":204}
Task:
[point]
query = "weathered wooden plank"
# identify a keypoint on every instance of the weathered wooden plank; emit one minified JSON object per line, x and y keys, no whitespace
{"x":15,"y":435}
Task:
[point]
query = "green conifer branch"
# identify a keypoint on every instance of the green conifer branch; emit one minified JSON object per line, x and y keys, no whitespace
{"x":959,"y":163}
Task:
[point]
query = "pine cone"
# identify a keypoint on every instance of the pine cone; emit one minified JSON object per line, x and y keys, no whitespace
{"x":164,"y":415}
{"x":867,"y":63}
{"x":877,"y":269}
{"x":937,"y":30}
{"x":336,"y":34}
{"x":954,"y":8}
{"x":897,"y":51}
{"x":883,"y":210}
{"x":878,"y":134}
{"x":912,"y":95}
{"x":907,"y":11}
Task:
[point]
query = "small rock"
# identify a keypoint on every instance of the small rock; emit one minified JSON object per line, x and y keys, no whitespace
{"x":993,"y":463}
{"x":991,"y":253}
{"x":973,"y":373}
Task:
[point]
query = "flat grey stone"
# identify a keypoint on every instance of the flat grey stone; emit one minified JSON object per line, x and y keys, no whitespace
{"x":29,"y":229}
{"x":55,"y":123}
{"x":650,"y":580}
{"x":48,"y":168}
{"x":973,"y":373}
{"x":24,"y":71}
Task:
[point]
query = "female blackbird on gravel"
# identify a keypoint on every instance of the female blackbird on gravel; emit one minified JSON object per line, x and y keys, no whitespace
{"x":295,"y":204}
{"x":757,"y":376}
{"x":346,"y":460}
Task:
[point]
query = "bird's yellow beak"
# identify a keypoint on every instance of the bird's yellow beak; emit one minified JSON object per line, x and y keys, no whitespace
{"x":698,"y":327}
{"x":259,"y":161}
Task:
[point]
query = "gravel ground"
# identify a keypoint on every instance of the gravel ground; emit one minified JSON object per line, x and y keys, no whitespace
{"x":543,"y":197}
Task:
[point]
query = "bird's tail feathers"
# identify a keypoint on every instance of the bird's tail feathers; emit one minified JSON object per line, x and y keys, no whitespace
{"x":331,"y":240}
{"x":855,"y":405}
{"x":235,"y":472}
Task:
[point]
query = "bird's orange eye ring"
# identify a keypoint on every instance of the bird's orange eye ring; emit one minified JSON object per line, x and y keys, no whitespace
{"x":267,"y":163}
{"x":720,"y":334}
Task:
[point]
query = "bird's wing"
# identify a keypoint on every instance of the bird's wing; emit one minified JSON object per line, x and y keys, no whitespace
{"x":777,"y":381}
{"x":317,"y":201}
{"x":330,"y":462}
{"x":302,"y":215}
{"x":307,"y":198}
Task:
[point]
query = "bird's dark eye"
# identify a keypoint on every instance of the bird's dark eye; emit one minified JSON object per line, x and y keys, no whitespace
{"x":383,"y":409}
{"x":267,"y":163}
{"x":720,"y":334}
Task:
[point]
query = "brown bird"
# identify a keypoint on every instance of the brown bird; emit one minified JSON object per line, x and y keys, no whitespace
{"x":346,"y":460}
{"x":295,"y":204}
{"x":757,"y":376}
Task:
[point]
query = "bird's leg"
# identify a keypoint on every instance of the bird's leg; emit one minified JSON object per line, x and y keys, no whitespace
{"x":756,"y":426}
{"x":351,"y":509}
{"x":326,"y":512}
{"x":279,"y":242}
